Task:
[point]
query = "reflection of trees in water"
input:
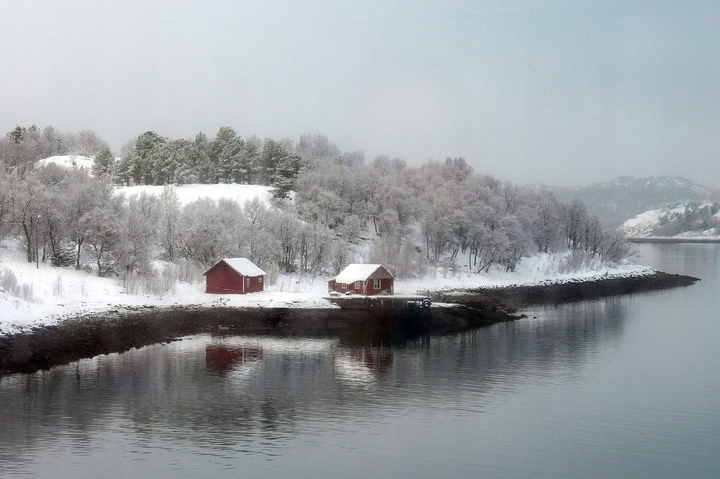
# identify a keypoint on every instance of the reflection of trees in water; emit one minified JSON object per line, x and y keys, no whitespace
{"x":253,"y":393}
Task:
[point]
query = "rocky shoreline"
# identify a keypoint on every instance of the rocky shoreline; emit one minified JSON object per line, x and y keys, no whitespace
{"x":120,"y":330}
{"x":518,"y":297}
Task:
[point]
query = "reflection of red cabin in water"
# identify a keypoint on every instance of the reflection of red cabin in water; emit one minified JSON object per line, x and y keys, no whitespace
{"x":234,"y":275}
{"x":373,"y":358}
{"x":367,"y":279}
{"x":224,"y":358}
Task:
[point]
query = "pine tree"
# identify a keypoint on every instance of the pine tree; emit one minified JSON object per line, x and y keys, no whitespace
{"x":286,"y":171}
{"x":103,"y":163}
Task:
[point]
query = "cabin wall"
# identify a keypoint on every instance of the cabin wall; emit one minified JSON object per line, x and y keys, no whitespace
{"x":224,"y":280}
{"x":386,"y":286}
{"x":254,"y":284}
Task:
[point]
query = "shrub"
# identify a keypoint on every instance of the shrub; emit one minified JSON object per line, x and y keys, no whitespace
{"x":10,"y":284}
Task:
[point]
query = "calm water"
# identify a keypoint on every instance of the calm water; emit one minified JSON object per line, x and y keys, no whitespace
{"x":621,"y":387}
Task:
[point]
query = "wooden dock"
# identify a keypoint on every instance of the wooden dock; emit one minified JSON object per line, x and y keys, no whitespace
{"x":389,"y":301}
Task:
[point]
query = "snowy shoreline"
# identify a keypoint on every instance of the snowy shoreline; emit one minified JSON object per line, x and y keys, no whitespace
{"x":89,"y":334}
{"x":60,"y":294}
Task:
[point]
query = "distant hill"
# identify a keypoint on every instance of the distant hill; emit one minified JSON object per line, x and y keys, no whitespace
{"x":691,"y":220}
{"x":625,"y":197}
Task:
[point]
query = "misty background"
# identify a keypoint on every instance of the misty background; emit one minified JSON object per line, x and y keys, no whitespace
{"x":558,"y":92}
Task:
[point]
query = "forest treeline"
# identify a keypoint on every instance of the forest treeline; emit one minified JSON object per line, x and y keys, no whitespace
{"x":344,"y":209}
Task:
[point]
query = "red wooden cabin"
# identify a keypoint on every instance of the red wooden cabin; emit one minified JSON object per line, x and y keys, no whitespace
{"x":365,"y":279}
{"x":234,"y":275}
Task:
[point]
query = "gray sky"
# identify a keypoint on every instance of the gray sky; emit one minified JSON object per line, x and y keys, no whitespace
{"x":560,"y":92}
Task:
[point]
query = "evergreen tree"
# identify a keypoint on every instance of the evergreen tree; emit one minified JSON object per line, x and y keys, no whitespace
{"x":285,"y":174}
{"x":246,"y":166}
{"x":146,"y":153}
{"x":273,"y":152}
{"x":200,"y":159}
{"x":103,"y":163}
{"x":122,"y":173}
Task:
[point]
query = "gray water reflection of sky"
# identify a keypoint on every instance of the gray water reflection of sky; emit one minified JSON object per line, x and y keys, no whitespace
{"x":220,"y":402}
{"x":561,"y":92}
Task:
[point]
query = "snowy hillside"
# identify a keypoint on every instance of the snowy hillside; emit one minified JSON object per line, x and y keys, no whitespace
{"x":688,"y":221}
{"x":186,"y":193}
{"x":623,"y":198}
{"x":189,"y":193}
{"x":69,"y":161}
{"x":342,"y":214}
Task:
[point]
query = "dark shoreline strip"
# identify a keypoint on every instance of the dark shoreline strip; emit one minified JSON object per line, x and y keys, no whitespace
{"x":117,"y":331}
{"x":518,"y":297}
{"x":676,"y":240}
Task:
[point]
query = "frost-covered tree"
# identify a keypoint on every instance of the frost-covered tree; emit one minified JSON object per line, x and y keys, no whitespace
{"x":89,"y":143}
{"x":16,"y":157}
{"x":83,"y":194}
{"x":104,"y":235}
{"x":575,"y":218}
{"x":139,"y":231}
{"x":245,"y":168}
{"x":142,"y":158}
{"x":317,"y":150}
{"x":26,"y":204}
{"x":547,"y":222}
{"x":168,"y":226}
{"x":104,"y":163}
{"x":203,"y":169}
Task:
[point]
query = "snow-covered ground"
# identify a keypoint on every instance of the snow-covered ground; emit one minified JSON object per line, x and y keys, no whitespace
{"x":643,"y":224}
{"x":69,"y":161}
{"x":54,"y":293}
{"x":189,"y":193}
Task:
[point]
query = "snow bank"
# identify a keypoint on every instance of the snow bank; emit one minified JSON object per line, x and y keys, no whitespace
{"x":68,"y":161}
{"x":189,"y":193}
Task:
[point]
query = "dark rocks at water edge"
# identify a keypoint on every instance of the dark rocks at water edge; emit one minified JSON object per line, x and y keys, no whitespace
{"x":122,"y":329}
{"x":517,"y":297}
{"x":91,"y":335}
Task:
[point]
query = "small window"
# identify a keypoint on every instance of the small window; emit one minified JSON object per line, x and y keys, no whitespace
{"x":343,"y":285}
{"x":358,"y":284}
{"x":376,"y":283}
{"x":259,"y":279}
{"x":247,"y":282}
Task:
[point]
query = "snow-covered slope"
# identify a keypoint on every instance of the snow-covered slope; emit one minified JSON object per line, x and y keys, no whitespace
{"x":189,"y":193}
{"x":690,"y":220}
{"x":68,"y":161}
{"x":644,"y":224}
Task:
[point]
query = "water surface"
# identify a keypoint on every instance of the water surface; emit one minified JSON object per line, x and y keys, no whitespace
{"x":618,"y":387}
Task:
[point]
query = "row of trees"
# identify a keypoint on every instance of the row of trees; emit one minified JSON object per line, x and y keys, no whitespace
{"x":38,"y":143}
{"x":152,"y":159}
{"x":450,"y":211}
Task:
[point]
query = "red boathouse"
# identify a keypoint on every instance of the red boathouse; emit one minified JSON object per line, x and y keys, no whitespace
{"x":366,"y":279}
{"x":234,"y":275}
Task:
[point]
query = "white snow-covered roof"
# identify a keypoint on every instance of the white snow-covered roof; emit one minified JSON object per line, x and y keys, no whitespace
{"x":242,"y":265}
{"x":357,"y":272}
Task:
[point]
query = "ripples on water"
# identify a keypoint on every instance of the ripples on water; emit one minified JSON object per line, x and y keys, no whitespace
{"x":616,"y":387}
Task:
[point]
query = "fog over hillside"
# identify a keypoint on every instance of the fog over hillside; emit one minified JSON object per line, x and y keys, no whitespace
{"x":618,"y":200}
